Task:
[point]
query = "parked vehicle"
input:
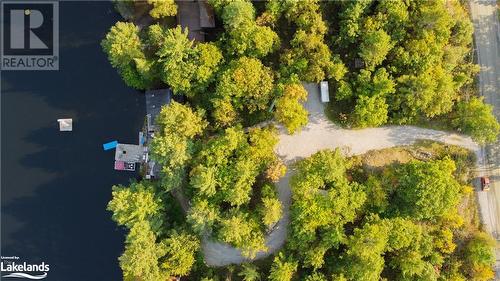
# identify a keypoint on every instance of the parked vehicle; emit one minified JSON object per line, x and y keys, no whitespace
{"x":325,"y":94}
{"x":485,"y":183}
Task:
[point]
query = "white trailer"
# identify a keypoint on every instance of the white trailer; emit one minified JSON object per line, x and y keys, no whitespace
{"x":325,"y":97}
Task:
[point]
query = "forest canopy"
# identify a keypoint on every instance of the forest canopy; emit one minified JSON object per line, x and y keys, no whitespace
{"x":386,"y":62}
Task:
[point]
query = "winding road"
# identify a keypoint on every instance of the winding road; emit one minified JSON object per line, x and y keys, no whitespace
{"x":317,"y":135}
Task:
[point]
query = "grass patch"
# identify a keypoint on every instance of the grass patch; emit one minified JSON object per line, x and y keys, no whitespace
{"x":423,"y":150}
{"x":336,"y":112}
{"x":377,"y":160}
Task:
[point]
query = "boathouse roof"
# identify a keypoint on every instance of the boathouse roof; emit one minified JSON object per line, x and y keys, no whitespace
{"x":131,"y":153}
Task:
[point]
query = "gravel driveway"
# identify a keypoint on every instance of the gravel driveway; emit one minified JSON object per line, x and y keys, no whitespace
{"x":320,"y":134}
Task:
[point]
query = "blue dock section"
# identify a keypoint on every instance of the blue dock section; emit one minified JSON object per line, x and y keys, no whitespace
{"x":110,"y":145}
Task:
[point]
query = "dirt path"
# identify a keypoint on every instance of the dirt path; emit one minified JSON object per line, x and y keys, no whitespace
{"x":322,"y":134}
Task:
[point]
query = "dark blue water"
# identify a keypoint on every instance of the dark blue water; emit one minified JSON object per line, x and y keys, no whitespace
{"x":55,"y":185}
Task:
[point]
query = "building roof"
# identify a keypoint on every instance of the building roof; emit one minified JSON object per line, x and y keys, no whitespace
{"x":207,"y":19}
{"x":153,"y":169}
{"x":195,"y":15}
{"x":188,"y":15}
{"x":129,"y":153}
{"x":155,"y":99}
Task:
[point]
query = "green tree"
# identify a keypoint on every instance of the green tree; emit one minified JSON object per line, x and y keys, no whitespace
{"x":238,"y":13}
{"x":426,"y":190}
{"x":289,"y":109}
{"x":122,"y":44}
{"x":395,"y":16}
{"x":246,"y":85}
{"x":162,"y":8}
{"x":271,"y":211}
{"x":204,"y":180}
{"x":479,"y":257}
{"x":310,"y":58}
{"x":219,"y":5}
{"x":252,"y":41}
{"x":370,"y":112}
{"x":424,"y":46}
{"x":316,"y":277}
{"x":415,"y":93}
{"x":323,"y":202}
{"x":173,"y":145}
{"x":203,"y":215}
{"x":241,"y":230}
{"x":351,"y":21}
{"x":186,"y":68}
{"x":249,"y":272}
{"x":378,"y":83}
{"x":125,"y":52}
{"x":476,"y":118}
{"x":140,"y":259}
{"x":283,"y":268}
{"x":180,"y":250}
{"x":374,"y":47}
{"x":175,"y":56}
{"x":208,"y":60}
{"x":389,"y":244}
{"x":244,"y":37}
{"x":227,"y":166}
{"x":371,"y":89}
{"x":224,"y":174}
{"x":135,"y":203}
{"x":378,"y":193}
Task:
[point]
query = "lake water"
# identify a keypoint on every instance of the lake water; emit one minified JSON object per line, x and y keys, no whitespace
{"x":55,"y":185}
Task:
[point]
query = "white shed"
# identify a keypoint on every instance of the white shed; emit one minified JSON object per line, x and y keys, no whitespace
{"x":325,"y":97}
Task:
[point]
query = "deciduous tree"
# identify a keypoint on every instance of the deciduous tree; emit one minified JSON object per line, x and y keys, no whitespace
{"x":370,"y":112}
{"x":480,"y":257}
{"x":125,"y":52}
{"x":249,"y":272}
{"x":135,"y":203}
{"x":172,"y":146}
{"x":323,"y":202}
{"x":241,"y":230}
{"x":180,"y":250}
{"x":289,"y":109}
{"x":203,"y":215}
{"x":246,"y":85}
{"x":426,"y":190}
{"x":271,"y":211}
{"x":476,"y":118}
{"x":162,"y":8}
{"x":283,"y":268}
{"x":244,"y":37}
{"x":186,"y":68}
{"x":375,"y":46}
{"x":140,"y":259}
